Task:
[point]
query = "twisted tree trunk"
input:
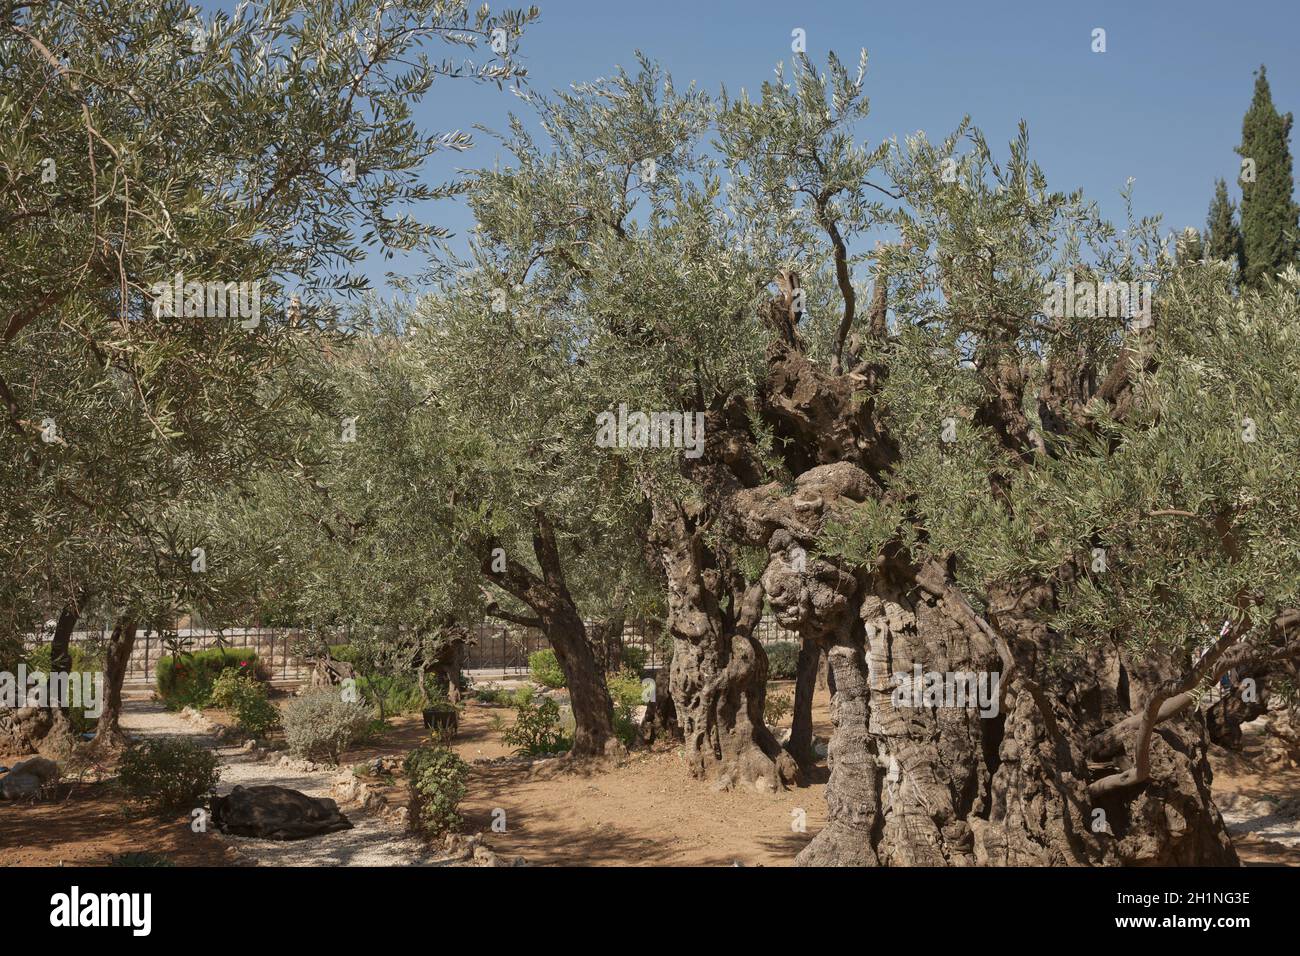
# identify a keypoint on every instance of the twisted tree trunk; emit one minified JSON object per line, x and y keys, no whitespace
{"x":719,"y":671}
{"x":116,"y":657}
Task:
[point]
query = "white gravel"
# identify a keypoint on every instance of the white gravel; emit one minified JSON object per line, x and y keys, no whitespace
{"x":372,"y":841}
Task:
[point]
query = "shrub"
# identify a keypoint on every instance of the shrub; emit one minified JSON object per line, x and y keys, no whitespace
{"x":634,"y":657}
{"x":322,"y":723}
{"x":625,"y":694}
{"x":782,"y":660}
{"x":537,"y":730}
{"x":187,"y":680}
{"x":391,"y":695}
{"x":544,"y":668}
{"x":168,"y":775}
{"x":493,"y":695}
{"x":521,"y":697}
{"x":436,"y":776}
{"x":775,"y":707}
{"x":246,"y":700}
{"x":226,"y":688}
{"x":82,"y":660}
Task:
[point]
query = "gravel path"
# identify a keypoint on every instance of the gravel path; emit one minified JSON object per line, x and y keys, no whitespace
{"x":372,"y":841}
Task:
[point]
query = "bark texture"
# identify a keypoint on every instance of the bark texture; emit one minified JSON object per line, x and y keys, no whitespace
{"x":116,"y":656}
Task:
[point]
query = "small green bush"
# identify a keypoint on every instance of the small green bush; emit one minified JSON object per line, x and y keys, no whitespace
{"x":537,"y":730}
{"x":322,"y":724}
{"x":437,"y":778}
{"x":544,"y":668}
{"x":169,"y":774}
{"x":775,"y":707}
{"x":634,"y":657}
{"x":391,"y":695}
{"x":187,"y":680}
{"x":782,"y":660}
{"x":522,"y":697}
{"x":625,"y":693}
{"x":246,"y":700}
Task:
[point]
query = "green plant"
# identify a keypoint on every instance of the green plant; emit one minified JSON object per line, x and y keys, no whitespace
{"x":544,"y":667}
{"x":625,"y":694}
{"x":168,"y":775}
{"x":226,"y":688}
{"x":322,"y":723}
{"x":521,"y":697}
{"x":246,"y":700}
{"x":391,"y":695}
{"x":782,"y":660}
{"x":187,"y":680}
{"x":537,"y":730}
{"x":437,"y":779}
{"x":775,"y":707}
{"x":634,"y":657}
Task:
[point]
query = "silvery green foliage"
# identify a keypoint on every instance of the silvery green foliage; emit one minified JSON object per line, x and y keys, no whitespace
{"x":654,"y":303}
{"x":271,"y":144}
{"x":322,"y":724}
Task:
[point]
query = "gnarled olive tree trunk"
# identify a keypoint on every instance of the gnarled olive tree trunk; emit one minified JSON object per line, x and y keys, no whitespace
{"x":116,"y":658}
{"x":719,"y":670}
{"x":954,"y":742}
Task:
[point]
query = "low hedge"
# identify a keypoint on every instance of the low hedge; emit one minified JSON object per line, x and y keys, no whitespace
{"x":782,"y":660}
{"x":186,"y":681}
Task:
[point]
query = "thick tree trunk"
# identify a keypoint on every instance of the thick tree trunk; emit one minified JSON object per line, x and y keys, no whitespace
{"x":983,"y":760}
{"x":800,"y":745}
{"x":719,"y":671}
{"x":588,"y":695}
{"x":558,"y":617}
{"x":120,"y":644}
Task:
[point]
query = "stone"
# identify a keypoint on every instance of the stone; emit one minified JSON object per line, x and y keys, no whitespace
{"x":28,"y":778}
{"x":276,"y":813}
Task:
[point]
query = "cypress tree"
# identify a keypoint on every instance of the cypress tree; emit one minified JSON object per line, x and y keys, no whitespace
{"x":1222,"y":237}
{"x":1268,"y":213}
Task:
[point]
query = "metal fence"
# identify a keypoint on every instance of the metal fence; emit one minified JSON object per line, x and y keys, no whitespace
{"x":274,"y":648}
{"x":503,"y":648}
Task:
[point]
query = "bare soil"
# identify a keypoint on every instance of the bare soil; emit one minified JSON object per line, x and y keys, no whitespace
{"x":640,"y":811}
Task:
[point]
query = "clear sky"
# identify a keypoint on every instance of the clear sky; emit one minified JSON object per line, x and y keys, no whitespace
{"x":1163,"y":104}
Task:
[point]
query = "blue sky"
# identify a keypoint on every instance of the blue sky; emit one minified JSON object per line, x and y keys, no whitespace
{"x":1163,"y":104}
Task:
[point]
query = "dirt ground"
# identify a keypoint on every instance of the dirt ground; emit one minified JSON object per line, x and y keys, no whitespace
{"x":645,"y":811}
{"x":1242,"y":784}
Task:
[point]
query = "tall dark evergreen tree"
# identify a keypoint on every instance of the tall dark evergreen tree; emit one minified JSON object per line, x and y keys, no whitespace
{"x":1222,"y":234}
{"x":1268,"y":213}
